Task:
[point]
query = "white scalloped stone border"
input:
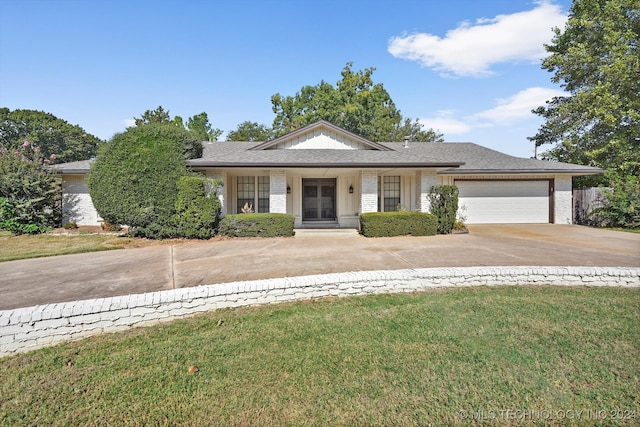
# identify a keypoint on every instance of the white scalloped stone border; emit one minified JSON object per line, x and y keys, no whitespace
{"x":25,"y":329}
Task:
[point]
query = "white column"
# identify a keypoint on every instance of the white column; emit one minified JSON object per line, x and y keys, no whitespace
{"x":425,"y":179}
{"x":563,"y":200}
{"x":277,"y":191}
{"x":369,"y":191}
{"x":221,"y":191}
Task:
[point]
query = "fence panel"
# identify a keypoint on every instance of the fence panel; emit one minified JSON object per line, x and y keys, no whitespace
{"x":583,"y":199}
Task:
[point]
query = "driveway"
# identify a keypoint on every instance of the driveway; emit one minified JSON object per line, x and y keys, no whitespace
{"x":128,"y":271}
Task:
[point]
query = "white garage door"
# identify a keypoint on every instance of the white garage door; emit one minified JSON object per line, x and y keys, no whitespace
{"x":499,"y":202}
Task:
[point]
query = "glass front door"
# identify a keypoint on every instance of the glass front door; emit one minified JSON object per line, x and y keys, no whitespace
{"x":318,"y":199}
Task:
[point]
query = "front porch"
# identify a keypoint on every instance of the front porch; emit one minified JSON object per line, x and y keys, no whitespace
{"x":328,"y":198}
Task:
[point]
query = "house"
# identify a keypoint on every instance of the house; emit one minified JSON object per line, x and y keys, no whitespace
{"x":327,"y":176}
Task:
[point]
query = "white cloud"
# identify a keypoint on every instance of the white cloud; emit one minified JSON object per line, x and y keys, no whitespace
{"x":128,"y":123}
{"x":445,"y":123}
{"x":518,"y":106}
{"x":508,"y":111}
{"x":470,"y":50}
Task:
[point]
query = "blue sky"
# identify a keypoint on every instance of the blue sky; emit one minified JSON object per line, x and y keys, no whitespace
{"x":466,"y":67}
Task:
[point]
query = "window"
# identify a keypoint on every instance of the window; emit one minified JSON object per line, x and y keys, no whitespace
{"x":247,"y":185}
{"x":388,"y":193}
{"x":263,"y":194}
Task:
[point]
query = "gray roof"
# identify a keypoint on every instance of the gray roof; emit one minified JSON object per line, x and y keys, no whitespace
{"x":460,"y":157}
{"x":244,"y":154}
{"x":455,"y":158}
{"x":74,"y":168}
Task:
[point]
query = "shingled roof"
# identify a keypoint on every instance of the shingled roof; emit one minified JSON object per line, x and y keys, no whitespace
{"x":448,"y":158}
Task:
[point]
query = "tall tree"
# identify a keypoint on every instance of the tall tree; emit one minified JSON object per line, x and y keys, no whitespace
{"x":597,"y":61}
{"x":52,"y":135}
{"x":200,"y":127}
{"x":159,"y":115}
{"x":355,"y":104}
{"x":250,"y":131}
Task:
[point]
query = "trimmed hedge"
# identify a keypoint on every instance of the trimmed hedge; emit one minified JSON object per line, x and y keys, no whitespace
{"x":196,"y":213}
{"x":257,"y":225}
{"x":387,"y":224}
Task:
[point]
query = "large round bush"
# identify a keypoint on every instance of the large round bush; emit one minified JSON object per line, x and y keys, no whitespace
{"x":134,"y":179}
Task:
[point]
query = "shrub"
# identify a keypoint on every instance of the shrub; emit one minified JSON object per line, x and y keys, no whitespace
{"x":70,"y":225}
{"x":619,"y":207}
{"x":134,"y":179}
{"x":196,"y":213}
{"x":107,"y":226}
{"x":29,"y":191}
{"x":443,"y":201}
{"x":387,"y":224}
{"x":257,"y":225}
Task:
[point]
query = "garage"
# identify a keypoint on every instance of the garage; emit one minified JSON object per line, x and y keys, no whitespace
{"x":507,"y":201}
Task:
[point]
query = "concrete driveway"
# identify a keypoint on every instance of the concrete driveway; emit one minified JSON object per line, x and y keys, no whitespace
{"x":101,"y":274}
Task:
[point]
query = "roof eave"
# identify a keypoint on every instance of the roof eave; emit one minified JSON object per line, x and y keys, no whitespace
{"x":575,"y":172}
{"x":323,"y":165}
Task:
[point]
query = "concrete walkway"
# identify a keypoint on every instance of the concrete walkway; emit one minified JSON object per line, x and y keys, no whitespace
{"x":120,"y":272}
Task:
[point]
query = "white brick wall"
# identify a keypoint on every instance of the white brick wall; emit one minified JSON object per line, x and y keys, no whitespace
{"x":369,"y":191}
{"x":77,"y":205}
{"x":563,"y":200}
{"x":277,"y":191}
{"x":424,"y":181}
{"x":28,"y":328}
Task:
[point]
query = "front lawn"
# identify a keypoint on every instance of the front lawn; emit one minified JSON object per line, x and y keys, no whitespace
{"x":42,"y":245}
{"x":441,"y":358}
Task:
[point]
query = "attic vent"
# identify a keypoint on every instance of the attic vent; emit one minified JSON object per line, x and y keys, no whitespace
{"x":406,"y":141}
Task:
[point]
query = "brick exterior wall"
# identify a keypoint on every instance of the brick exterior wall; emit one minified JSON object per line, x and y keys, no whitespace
{"x":369,"y":191}
{"x":277,"y":191}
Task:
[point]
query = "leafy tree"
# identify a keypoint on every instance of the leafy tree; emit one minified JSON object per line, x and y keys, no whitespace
{"x":250,"y":131}
{"x":51,"y":134}
{"x":200,"y":127}
{"x":29,"y":191}
{"x":134,"y":179}
{"x":192,"y":142}
{"x":158,"y":116}
{"x":355,"y":104}
{"x":597,"y":61}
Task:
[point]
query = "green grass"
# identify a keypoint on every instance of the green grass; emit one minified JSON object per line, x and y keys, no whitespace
{"x":43,"y":245}
{"x":412,"y":359}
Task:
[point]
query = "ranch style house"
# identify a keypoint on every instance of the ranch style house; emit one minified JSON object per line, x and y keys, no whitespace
{"x":326,"y":176}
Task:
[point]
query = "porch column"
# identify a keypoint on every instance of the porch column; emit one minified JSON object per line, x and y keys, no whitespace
{"x":222,"y":190}
{"x":277,"y":191}
{"x":369,"y":191}
{"x":425,"y":179}
{"x":563,"y":200}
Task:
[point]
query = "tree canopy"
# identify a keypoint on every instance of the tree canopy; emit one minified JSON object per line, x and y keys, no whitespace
{"x":29,"y":190}
{"x":198,"y":125}
{"x":597,"y":61}
{"x":355,"y":104}
{"x":250,"y":131}
{"x":53,"y":136}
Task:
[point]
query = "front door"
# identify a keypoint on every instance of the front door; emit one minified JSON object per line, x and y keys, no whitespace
{"x":318,"y":199}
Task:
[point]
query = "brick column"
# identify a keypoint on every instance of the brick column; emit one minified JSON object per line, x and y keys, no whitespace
{"x":425,"y":179}
{"x":563,"y":200}
{"x":222,"y":190}
{"x":369,"y":191}
{"x":277,"y":191}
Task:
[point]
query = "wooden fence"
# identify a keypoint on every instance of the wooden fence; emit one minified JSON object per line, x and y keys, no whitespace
{"x":583,"y":200}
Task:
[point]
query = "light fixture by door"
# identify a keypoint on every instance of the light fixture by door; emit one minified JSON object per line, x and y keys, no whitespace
{"x":351,"y":189}
{"x":288,"y":190}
